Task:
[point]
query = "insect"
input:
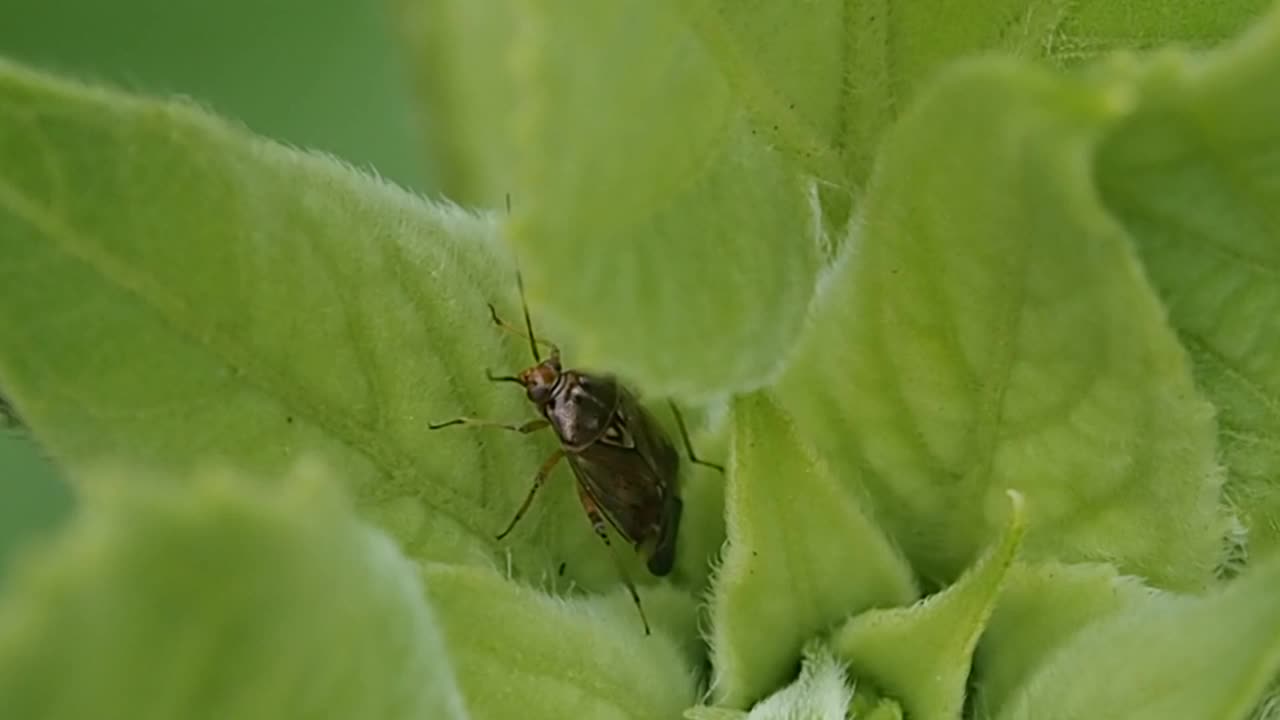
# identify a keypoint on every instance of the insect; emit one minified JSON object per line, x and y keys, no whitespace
{"x":626,"y":467}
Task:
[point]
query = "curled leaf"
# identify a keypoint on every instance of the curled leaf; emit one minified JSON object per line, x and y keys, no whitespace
{"x":1192,"y":175}
{"x":991,"y":328}
{"x":1173,"y":658}
{"x":920,"y":656}
{"x":548,"y":657}
{"x":801,"y":555}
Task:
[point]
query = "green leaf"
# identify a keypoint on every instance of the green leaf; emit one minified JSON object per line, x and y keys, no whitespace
{"x":822,"y":691}
{"x":219,"y":597}
{"x":1193,"y":175}
{"x":708,"y":712}
{"x":205,"y":294}
{"x":788,"y":66}
{"x":1175,"y":658}
{"x":465,"y":86}
{"x":802,"y":555}
{"x":993,"y":330}
{"x":825,"y":83}
{"x":1040,"y":608}
{"x":874,"y":709}
{"x":522,"y":653}
{"x":921,"y":655}
{"x":658,"y":234}
{"x":1084,"y":31}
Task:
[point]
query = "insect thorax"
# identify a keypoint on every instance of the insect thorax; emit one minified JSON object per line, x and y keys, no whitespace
{"x":582,"y":407}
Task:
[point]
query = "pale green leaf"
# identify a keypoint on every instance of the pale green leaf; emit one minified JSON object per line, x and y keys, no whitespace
{"x":658,"y":234}
{"x":220,"y":597}
{"x":802,"y":555}
{"x":1194,"y":174}
{"x":992,"y":329}
{"x":1084,"y":31}
{"x":709,"y":712}
{"x":921,"y":655}
{"x":787,"y":63}
{"x":882,"y":709}
{"x":1041,"y":607}
{"x":822,"y":691}
{"x":1175,"y":658}
{"x":464,"y":81}
{"x":175,"y":289}
{"x":521,"y":653}
{"x":824,"y":79}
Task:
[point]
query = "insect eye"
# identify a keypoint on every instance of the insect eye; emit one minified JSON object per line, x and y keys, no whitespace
{"x":541,"y":394}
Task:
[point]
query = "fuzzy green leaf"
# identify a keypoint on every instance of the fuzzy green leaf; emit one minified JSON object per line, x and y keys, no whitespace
{"x":788,"y":66}
{"x":175,"y":289}
{"x":824,"y":82}
{"x":1193,"y":175}
{"x":802,"y":555}
{"x":884,"y":710}
{"x":1083,"y":31}
{"x":921,"y":655}
{"x":1041,"y":607}
{"x":219,"y":597}
{"x":822,"y":692}
{"x":464,"y":81}
{"x":993,"y":330}
{"x":521,"y":653}
{"x":662,"y":237}
{"x":1174,"y":658}
{"x":710,"y":712}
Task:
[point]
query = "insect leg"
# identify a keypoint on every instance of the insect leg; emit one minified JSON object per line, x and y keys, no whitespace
{"x":688,"y":446}
{"x":598,"y":524}
{"x":538,"y":480}
{"x":493,"y":313}
{"x":531,"y":426}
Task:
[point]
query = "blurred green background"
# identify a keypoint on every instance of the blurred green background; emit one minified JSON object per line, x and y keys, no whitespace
{"x":323,"y":74}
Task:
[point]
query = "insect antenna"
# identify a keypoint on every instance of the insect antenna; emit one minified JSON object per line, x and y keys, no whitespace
{"x":528,"y":323}
{"x":502,"y":378}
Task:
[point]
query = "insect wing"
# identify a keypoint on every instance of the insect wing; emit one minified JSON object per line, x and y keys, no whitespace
{"x":631,"y":474}
{"x":649,"y":440}
{"x":652,"y":443}
{"x":623,"y":486}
